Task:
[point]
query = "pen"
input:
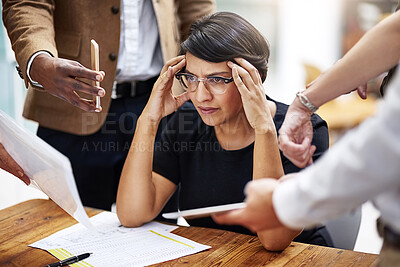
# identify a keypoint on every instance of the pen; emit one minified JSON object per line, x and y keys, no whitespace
{"x":71,"y":260}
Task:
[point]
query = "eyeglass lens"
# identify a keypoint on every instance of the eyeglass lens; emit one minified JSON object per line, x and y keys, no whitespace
{"x":215,"y":84}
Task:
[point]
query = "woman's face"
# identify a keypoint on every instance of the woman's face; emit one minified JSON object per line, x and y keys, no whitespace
{"x":214,"y":109}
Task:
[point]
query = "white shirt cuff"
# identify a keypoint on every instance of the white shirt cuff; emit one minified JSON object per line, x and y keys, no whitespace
{"x":289,"y":204}
{"x":28,"y":69}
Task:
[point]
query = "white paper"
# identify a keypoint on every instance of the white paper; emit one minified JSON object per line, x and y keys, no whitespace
{"x":49,"y":170}
{"x":115,"y":245}
{"x":203,"y":212}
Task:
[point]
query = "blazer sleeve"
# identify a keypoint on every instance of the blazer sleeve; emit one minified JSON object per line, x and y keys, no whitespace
{"x":191,"y":10}
{"x":30,"y":27}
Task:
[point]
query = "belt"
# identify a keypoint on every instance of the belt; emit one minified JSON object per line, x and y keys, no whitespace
{"x":133,"y":89}
{"x":388,"y":234}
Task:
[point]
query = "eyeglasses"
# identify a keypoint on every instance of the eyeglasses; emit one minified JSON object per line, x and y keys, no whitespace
{"x":216,"y":84}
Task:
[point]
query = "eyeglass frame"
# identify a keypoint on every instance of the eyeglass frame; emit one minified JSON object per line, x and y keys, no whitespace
{"x":179,"y":75}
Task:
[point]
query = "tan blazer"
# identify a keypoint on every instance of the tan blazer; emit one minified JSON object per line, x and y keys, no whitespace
{"x":65,"y":27}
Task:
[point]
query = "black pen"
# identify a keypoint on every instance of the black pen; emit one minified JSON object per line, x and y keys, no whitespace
{"x":69,"y":261}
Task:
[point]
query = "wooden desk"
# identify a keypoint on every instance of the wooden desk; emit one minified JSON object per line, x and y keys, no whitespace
{"x":30,"y":221}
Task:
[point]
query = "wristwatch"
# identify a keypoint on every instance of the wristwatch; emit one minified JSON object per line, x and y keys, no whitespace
{"x":306,"y":102}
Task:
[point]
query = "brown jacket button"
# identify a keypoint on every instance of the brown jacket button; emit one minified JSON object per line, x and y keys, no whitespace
{"x":114,"y":9}
{"x":112,"y":56}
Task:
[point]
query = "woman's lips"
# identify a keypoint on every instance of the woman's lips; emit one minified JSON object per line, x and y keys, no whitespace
{"x":207,"y":110}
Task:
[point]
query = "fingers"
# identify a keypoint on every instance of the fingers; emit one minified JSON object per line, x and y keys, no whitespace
{"x":80,"y":86}
{"x":164,"y":79}
{"x":241,"y":77}
{"x":178,"y":66}
{"x":311,"y":153}
{"x":288,"y":145}
{"x":62,"y":78}
{"x":84,"y":104}
{"x":181,"y":99}
{"x":234,"y":217}
{"x":238,"y":81}
{"x":255,"y":75}
{"x":25,"y":179}
{"x":10,"y":165}
{"x":362,"y":91}
{"x":299,"y":154}
{"x":259,"y":213}
{"x":172,"y":62}
{"x":78,"y":71}
{"x":172,"y":67}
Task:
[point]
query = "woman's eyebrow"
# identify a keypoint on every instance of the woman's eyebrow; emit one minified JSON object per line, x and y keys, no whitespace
{"x":210,"y":74}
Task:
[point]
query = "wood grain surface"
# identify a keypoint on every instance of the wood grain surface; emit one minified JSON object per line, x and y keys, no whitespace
{"x":32,"y":220}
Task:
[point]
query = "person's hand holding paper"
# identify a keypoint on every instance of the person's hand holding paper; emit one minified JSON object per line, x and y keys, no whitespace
{"x":8,"y":164}
{"x":42,"y":167}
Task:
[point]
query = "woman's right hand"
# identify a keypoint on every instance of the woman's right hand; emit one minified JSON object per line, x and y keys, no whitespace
{"x":162,"y":102}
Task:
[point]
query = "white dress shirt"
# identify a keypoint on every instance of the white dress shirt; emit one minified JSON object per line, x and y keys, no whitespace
{"x":363,"y":165}
{"x":140,"y":56}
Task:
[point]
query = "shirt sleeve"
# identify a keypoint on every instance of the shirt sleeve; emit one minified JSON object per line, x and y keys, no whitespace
{"x":28,"y":69}
{"x":361,"y":166}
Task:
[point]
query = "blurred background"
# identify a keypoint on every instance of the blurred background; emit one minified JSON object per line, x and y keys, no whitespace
{"x":306,"y":37}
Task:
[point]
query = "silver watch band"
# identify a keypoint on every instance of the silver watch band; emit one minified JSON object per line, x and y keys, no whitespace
{"x":306,"y":102}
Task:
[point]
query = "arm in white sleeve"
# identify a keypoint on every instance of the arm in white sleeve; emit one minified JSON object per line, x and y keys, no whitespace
{"x":362,"y":165}
{"x":28,"y":68}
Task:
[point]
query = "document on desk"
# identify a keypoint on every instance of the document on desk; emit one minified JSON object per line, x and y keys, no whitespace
{"x":49,"y":170}
{"x":115,"y":245}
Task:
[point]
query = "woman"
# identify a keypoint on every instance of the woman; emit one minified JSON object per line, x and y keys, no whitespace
{"x":208,"y":147}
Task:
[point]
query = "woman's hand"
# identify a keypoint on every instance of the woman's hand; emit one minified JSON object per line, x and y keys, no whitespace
{"x":249,"y":84}
{"x":162,"y":102}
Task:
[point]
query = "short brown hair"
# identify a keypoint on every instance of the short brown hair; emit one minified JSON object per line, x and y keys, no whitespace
{"x":224,"y":36}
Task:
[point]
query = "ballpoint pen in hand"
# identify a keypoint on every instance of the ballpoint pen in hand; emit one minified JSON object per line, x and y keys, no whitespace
{"x":69,"y":261}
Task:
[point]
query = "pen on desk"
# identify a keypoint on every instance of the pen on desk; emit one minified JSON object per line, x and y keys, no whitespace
{"x":69,"y":261}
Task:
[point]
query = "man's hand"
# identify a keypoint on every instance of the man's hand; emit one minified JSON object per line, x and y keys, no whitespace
{"x":259,"y":213}
{"x":59,"y":77}
{"x":296,"y":134}
{"x":8,"y":164}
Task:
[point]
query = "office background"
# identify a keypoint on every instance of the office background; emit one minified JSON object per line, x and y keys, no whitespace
{"x":305,"y":37}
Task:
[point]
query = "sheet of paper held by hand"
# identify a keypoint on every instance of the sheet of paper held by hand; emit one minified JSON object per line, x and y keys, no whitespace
{"x":115,"y":245}
{"x":49,"y":170}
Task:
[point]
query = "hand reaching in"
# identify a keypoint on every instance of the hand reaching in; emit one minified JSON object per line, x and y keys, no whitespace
{"x":8,"y":164}
{"x":60,"y":78}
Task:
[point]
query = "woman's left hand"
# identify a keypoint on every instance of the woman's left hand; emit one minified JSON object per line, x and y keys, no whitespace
{"x":248,"y":81}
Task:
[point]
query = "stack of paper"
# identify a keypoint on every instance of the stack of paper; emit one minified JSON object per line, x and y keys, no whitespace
{"x":115,"y":245}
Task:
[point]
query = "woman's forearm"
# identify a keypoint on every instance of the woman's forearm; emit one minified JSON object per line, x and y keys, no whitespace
{"x":267,"y":163}
{"x":136,"y":192}
{"x":267,"y":159}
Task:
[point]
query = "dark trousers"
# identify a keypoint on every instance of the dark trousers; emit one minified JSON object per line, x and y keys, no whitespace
{"x":97,"y":159}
